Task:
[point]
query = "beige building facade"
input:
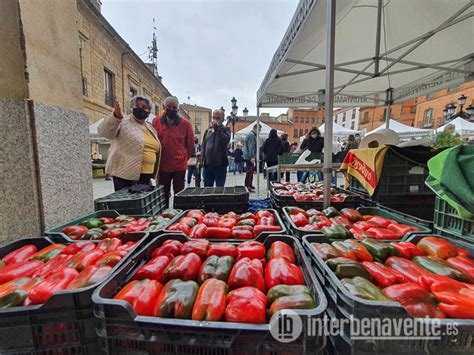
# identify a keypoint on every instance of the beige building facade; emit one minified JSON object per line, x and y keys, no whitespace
{"x":200,"y":118}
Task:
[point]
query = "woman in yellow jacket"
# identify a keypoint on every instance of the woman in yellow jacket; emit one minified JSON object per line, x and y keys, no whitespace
{"x":135,"y":148}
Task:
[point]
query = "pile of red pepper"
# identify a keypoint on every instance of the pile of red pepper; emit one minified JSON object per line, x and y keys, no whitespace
{"x":348,"y":223}
{"x":197,"y":224}
{"x":105,"y":227}
{"x":216,"y":282}
{"x":432,"y":278}
{"x":308,"y":192}
{"x":29,"y":276}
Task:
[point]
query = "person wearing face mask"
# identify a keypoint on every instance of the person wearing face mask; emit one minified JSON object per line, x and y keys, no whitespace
{"x":135,"y":148}
{"x":177,"y":139}
{"x":193,"y":164}
{"x":315,"y":144}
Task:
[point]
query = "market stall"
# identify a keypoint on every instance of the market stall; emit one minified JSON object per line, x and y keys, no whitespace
{"x":405,"y":132}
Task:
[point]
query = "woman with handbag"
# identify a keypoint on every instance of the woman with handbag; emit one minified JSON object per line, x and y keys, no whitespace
{"x":193,"y":164}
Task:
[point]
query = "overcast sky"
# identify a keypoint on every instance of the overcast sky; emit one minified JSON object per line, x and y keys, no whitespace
{"x":209,"y":50}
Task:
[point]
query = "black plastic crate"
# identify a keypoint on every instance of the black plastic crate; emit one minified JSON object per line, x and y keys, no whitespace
{"x":58,"y":231}
{"x":213,"y":199}
{"x":278,"y":220}
{"x":65,"y":324}
{"x":343,"y":305}
{"x":299,"y":232}
{"x":123,"y":331}
{"x":448,"y":223}
{"x":125,"y":202}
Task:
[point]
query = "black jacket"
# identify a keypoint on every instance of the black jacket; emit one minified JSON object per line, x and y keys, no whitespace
{"x":286,"y":146}
{"x":238,"y":155}
{"x":315,"y":145}
{"x":272,"y":148}
{"x":214,"y":147}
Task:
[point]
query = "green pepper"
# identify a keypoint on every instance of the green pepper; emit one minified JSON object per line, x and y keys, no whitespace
{"x":285,"y":290}
{"x":331,"y":212}
{"x":94,"y":233}
{"x":363,"y":288}
{"x":91,"y":223}
{"x":379,"y":250}
{"x":216,"y":267}
{"x":176,"y":299}
{"x":440,"y":267}
{"x":48,"y":253}
{"x":299,"y":301}
{"x":336,"y":231}
{"x":13,"y":299}
{"x":347,"y":268}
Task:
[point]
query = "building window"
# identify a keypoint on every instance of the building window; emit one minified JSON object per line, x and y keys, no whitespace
{"x":307,"y":119}
{"x":413,"y":109}
{"x":133,"y":91}
{"x":344,"y":117}
{"x":296,"y":119}
{"x":301,"y":132}
{"x":428,"y":118}
{"x":295,"y":133}
{"x":109,"y":88}
{"x":197,"y":123}
{"x":353,"y":114}
{"x":82,"y":46}
{"x":352,"y":125}
{"x":313,"y":120}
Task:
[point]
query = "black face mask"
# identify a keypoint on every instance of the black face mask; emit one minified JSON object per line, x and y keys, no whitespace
{"x":140,"y":113}
{"x":172,"y":114}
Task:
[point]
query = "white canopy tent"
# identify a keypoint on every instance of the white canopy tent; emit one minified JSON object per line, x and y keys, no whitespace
{"x":338,"y":130}
{"x":462,"y":127}
{"x":368,"y":52}
{"x":403,"y":130}
{"x":264,"y":131}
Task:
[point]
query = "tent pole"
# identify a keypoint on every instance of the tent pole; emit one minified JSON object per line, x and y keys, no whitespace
{"x":328,"y":104}
{"x":388,"y":102}
{"x":257,"y":159}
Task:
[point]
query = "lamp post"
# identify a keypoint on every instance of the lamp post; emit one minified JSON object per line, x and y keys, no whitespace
{"x":449,"y":113}
{"x":234,"y":118}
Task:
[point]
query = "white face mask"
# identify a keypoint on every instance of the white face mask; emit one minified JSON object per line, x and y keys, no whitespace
{"x":314,"y":136}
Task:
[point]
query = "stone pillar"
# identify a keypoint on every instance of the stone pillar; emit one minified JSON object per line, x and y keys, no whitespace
{"x":45,"y":170}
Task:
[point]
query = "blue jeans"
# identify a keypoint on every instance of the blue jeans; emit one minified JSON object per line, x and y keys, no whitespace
{"x":194,"y":170}
{"x":239,"y":167}
{"x":214,"y":174}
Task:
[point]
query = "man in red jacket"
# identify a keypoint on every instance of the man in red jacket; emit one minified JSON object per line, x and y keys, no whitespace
{"x":177,"y":142}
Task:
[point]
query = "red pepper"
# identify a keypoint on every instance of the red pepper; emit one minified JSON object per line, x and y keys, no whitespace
{"x":184,"y":267}
{"x":212,"y":215}
{"x":232,"y":215}
{"x":320,"y":221}
{"x":456,"y":301}
{"x":267,"y":221}
{"x":227,"y":222}
{"x":238,"y":233}
{"x":109,"y":244}
{"x":246,"y":305}
{"x":416,"y":300}
{"x":351,"y":214}
{"x":191,"y":222}
{"x":22,"y":283}
{"x":75,"y":232}
{"x":115,"y":233}
{"x":353,"y":250}
{"x":246,"y":215}
{"x":23,"y":269}
{"x":299,"y":219}
{"x":264,"y":213}
{"x":180,"y":227}
{"x":83,"y":259}
{"x":380,"y":222}
{"x":281,"y":250}
{"x":153,"y":269}
{"x":426,"y":281}
{"x":106,"y":220}
{"x":383,"y":276}
{"x":91,"y":275}
{"x":131,"y":290}
{"x":75,"y":248}
{"x":407,"y":250}
{"x":211,"y":222}
{"x":343,"y":221}
{"x":199,"y":247}
{"x":325,"y":251}
{"x":196,"y":214}
{"x":137,"y":228}
{"x":462,"y":263}
{"x":52,"y":265}
{"x":170,"y":248}
{"x":218,"y":233}
{"x":360,"y":234}
{"x":399,"y":229}
{"x":112,"y":258}
{"x":222,"y":249}
{"x":210,"y":302}
{"x":247,"y":272}
{"x":126,"y":247}
{"x":438,"y":247}
{"x":48,"y":253}
{"x":251,"y":249}
{"x":144,"y":303}
{"x":281,"y":272}
{"x":19,"y":255}
{"x":247,"y":222}
{"x":198,"y":231}
{"x":54,"y":283}
{"x":295,"y":210}
{"x":382,"y":233}
{"x":407,"y":268}
{"x":363,"y":225}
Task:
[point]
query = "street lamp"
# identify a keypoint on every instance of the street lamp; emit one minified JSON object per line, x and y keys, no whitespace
{"x":223,"y":110}
{"x":245,"y":112}
{"x":234,"y":118}
{"x":449,"y":112}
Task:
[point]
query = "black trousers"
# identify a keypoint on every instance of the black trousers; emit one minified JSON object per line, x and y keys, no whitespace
{"x":120,"y":183}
